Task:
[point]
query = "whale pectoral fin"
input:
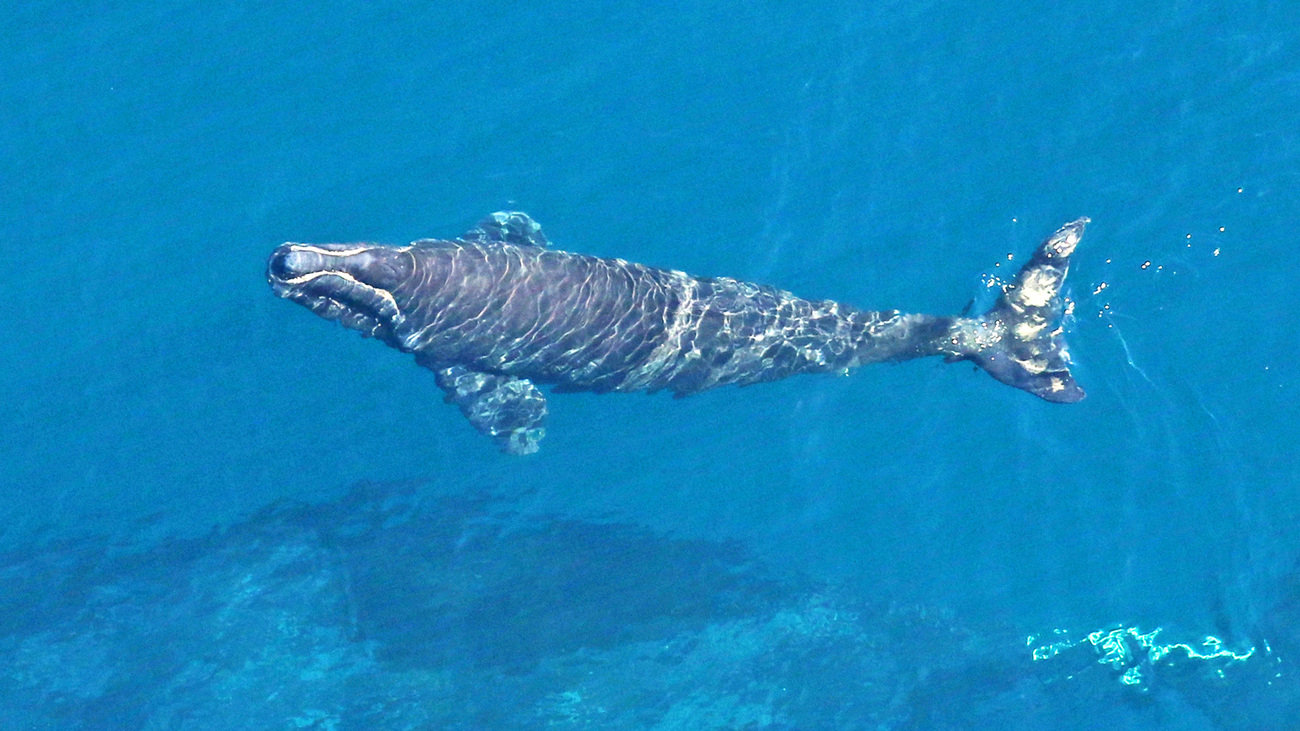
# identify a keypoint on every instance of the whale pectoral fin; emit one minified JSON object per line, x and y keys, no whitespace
{"x":507,"y":227}
{"x":508,"y":409}
{"x":1020,"y":341}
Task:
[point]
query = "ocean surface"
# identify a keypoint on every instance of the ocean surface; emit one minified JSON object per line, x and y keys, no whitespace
{"x":219,"y":511}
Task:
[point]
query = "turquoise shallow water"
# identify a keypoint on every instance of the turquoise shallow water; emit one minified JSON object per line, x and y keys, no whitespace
{"x":885,"y":156}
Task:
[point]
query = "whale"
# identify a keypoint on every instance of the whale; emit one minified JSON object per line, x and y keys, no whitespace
{"x":497,"y":313}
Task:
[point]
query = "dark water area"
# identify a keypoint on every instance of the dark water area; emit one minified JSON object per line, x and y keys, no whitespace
{"x":221,"y":511}
{"x":396,"y":607}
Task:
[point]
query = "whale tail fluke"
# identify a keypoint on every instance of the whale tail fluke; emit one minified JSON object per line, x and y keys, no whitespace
{"x":1020,"y":341}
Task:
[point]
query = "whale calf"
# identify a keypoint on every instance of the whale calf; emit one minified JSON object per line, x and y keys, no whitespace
{"x":496,"y":312}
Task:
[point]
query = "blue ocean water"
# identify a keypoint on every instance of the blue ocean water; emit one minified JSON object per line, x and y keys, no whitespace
{"x":223,"y":512}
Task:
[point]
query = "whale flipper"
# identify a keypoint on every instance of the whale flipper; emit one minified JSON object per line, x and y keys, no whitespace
{"x":507,"y":227}
{"x":1020,"y":341}
{"x":510,"y":410}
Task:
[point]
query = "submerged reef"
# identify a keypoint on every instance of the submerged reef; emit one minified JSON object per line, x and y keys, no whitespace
{"x":399,"y":608}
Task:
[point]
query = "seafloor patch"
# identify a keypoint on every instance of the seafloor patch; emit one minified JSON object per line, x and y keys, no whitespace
{"x":397,"y":609}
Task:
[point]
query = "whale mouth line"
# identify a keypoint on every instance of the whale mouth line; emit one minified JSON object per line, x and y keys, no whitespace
{"x":309,"y":276}
{"x":348,"y":291}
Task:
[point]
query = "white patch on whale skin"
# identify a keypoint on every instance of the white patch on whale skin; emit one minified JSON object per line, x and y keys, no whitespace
{"x":327,"y":252}
{"x":1038,"y":289}
{"x":1028,"y":330}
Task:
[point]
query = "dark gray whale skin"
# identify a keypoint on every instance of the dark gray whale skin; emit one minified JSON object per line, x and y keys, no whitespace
{"x":495,"y":312}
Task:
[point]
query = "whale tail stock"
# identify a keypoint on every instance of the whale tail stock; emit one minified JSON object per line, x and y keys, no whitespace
{"x":1020,"y":341}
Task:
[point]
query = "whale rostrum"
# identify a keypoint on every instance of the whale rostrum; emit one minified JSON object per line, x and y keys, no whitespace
{"x":496,"y":312}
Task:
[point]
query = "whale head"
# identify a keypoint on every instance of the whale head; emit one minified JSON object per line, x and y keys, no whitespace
{"x":358,"y":285}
